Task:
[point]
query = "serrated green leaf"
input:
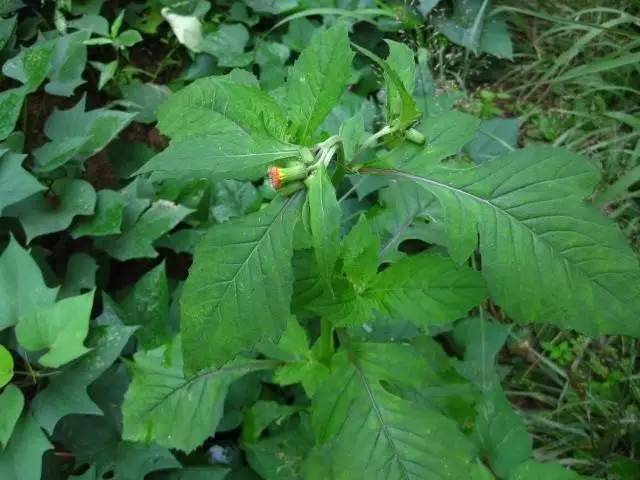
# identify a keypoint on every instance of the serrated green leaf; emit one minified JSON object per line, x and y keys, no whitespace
{"x":220,"y":105}
{"x":21,"y":459}
{"x":400,"y":60}
{"x":55,"y":210}
{"x":136,"y":240}
{"x":225,"y":307}
{"x":66,"y":394}
{"x":317,"y":80}
{"x":361,"y":254}
{"x":229,"y":155}
{"x":30,"y":66}
{"x":502,"y":437}
{"x":22,"y":288}
{"x":16,"y":183}
{"x":147,"y":305}
{"x":426,"y":289}
{"x":574,"y":270}
{"x":107,"y":217}
{"x":61,"y":329}
{"x":324,"y":220}
{"x":164,"y":406}
{"x":10,"y":109}
{"x":494,"y":137}
{"x":11,"y":405}
{"x":351,"y":134}
{"x":407,"y":213}
{"x":375,"y":434}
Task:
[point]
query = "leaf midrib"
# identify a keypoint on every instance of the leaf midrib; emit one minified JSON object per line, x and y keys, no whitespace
{"x":418,"y":178}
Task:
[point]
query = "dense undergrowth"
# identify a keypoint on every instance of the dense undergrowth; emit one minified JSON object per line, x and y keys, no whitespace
{"x":319,"y":240}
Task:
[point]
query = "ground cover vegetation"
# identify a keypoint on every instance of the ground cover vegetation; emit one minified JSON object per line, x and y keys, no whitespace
{"x":346,"y":239}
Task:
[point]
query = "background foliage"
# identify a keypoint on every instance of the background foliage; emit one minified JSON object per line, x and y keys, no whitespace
{"x":440,"y":298}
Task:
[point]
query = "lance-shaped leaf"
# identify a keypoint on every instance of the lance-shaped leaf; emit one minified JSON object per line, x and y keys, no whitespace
{"x":324,"y":220}
{"x":233,"y":154}
{"x":164,"y":406}
{"x":375,"y":434}
{"x":547,"y":256}
{"x":67,"y":392}
{"x":317,"y":81}
{"x":239,"y":288}
{"x":426,"y":289}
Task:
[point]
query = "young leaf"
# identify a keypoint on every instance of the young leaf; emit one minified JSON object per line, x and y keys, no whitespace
{"x":66,"y":394}
{"x":375,"y":434}
{"x":317,"y":81}
{"x":11,"y":405}
{"x":574,"y":270}
{"x":22,"y":457}
{"x":400,"y":60}
{"x":68,"y":64}
{"x":61,"y":329}
{"x":164,"y":406}
{"x":426,"y":289}
{"x":22,"y":288}
{"x":408,"y":109}
{"x":324,"y":220}
{"x":239,"y":288}
{"x":52,"y":212}
{"x":16,"y":183}
{"x":227,"y":44}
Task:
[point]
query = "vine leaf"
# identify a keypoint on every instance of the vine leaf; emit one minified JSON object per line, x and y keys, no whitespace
{"x":547,"y":256}
{"x":11,"y":405}
{"x":21,"y":459}
{"x":66,"y":394}
{"x":239,"y":288}
{"x":371,"y":432}
{"x":61,"y":328}
{"x":164,"y":406}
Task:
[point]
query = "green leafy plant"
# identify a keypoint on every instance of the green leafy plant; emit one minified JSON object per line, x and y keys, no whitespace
{"x":322,"y":284}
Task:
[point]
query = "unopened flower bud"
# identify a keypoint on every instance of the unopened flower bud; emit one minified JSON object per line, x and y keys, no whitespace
{"x":414,"y":136}
{"x":280,"y":176}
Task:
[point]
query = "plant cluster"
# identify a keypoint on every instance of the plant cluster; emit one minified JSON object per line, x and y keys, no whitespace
{"x":305,"y":274}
